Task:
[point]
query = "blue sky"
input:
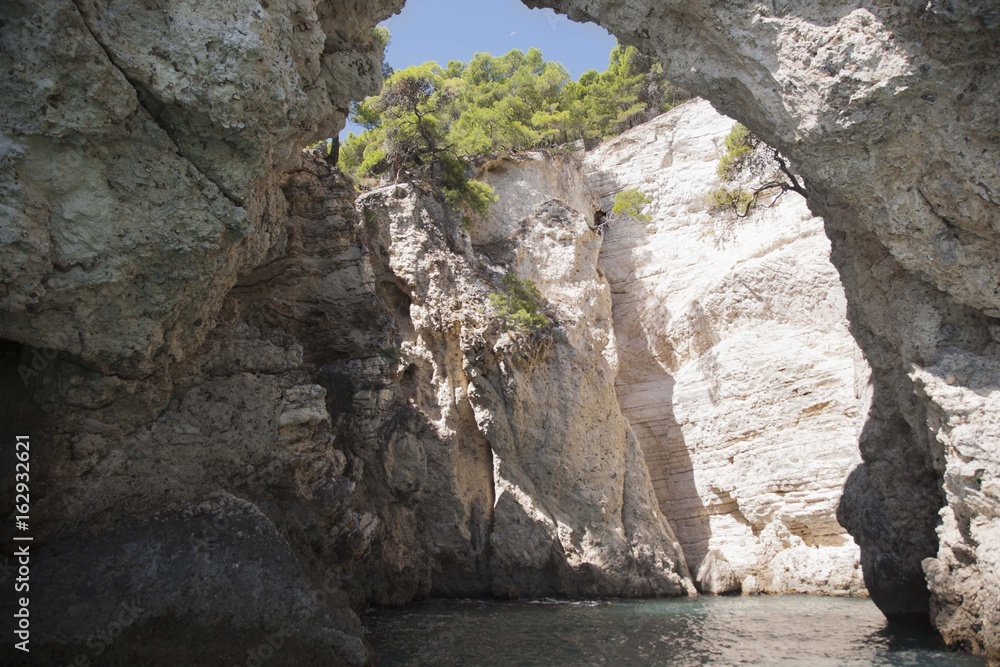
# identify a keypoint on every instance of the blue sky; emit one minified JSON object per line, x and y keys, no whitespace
{"x":444,"y":30}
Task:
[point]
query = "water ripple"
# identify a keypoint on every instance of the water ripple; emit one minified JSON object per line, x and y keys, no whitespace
{"x":766,"y":630}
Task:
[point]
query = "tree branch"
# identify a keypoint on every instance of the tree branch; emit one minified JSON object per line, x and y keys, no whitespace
{"x":794,"y":184}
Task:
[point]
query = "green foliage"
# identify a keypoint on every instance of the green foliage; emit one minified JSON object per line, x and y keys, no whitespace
{"x":373,"y":160}
{"x":428,"y":117}
{"x":736,"y":199}
{"x":471,"y":197}
{"x":517,"y":304}
{"x":403,"y":124}
{"x":365,"y":115}
{"x":371,"y":219}
{"x":380,"y":35}
{"x":740,"y":146}
{"x":630,"y":203}
{"x":755,"y":169}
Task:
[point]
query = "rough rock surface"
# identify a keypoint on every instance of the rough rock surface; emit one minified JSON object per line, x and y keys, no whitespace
{"x":737,"y":371}
{"x":529,"y":480}
{"x":142,"y":151}
{"x":226,"y":514}
{"x":136,"y":188}
{"x":888,"y":110}
{"x":434,"y":451}
{"x":143,"y":155}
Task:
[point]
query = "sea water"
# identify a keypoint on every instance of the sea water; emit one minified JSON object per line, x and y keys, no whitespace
{"x":766,"y":630}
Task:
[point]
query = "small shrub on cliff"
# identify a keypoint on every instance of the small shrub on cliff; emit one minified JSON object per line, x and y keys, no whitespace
{"x":734,"y":199}
{"x":381,"y":36}
{"x":629,"y":203}
{"x":392,"y":354}
{"x":517,"y":303}
{"x":740,"y":147}
{"x":371,"y":220}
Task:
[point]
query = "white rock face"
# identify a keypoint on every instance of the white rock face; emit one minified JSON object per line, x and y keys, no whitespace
{"x":968,"y":560}
{"x":736,"y":368}
{"x":526,"y":444}
{"x":889,"y":111}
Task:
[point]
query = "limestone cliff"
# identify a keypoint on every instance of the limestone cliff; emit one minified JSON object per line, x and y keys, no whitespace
{"x":888,"y":110}
{"x":507,"y":454}
{"x":183,"y":450}
{"x":227,"y":515}
{"x":363,"y":420}
{"x":527,"y":480}
{"x":737,"y":371}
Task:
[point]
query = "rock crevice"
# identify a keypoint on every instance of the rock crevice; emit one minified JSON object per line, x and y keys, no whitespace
{"x":737,"y":371}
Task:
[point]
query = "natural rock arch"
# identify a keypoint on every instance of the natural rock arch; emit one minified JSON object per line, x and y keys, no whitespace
{"x":887,"y":109}
{"x":888,"y":113}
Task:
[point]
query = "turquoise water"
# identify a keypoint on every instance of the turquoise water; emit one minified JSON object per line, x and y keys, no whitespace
{"x":765,"y":630}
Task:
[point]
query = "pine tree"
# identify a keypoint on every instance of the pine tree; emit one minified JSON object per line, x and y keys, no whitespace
{"x":439,"y":121}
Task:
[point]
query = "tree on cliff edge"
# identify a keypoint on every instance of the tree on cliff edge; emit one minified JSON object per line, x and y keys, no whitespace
{"x":437,"y":122}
